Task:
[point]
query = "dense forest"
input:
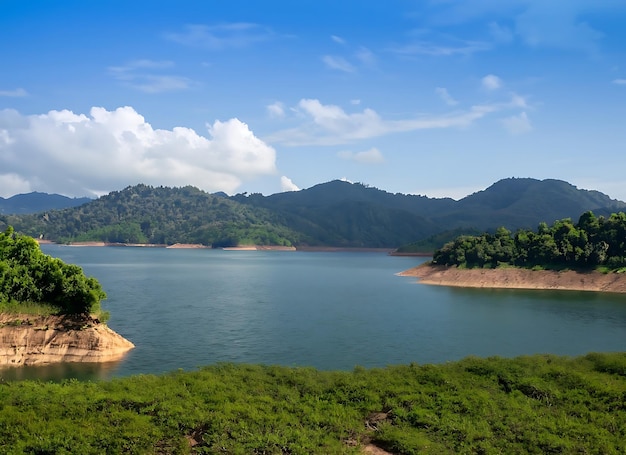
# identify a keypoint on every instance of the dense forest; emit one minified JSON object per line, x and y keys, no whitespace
{"x":590,"y":243}
{"x":33,"y":281}
{"x":144,"y":214}
{"x":539,"y":404}
{"x":337,"y":213}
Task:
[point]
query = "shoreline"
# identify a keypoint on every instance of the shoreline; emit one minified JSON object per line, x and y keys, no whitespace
{"x":516,"y":278}
{"x":330,"y":249}
{"x":27,"y":339}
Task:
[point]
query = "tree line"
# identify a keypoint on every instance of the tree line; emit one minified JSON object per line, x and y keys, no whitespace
{"x":590,"y":243}
{"x":30,"y":277}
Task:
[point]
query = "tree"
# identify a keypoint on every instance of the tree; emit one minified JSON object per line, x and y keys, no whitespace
{"x":29,"y":276}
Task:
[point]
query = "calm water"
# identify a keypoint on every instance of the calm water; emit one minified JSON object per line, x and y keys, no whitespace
{"x":187,"y":308}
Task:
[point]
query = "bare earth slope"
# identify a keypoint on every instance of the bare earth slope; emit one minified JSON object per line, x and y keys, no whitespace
{"x":29,"y":340}
{"x":518,"y":278}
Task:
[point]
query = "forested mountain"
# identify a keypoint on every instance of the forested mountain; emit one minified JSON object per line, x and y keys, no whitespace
{"x":38,"y":202}
{"x":144,"y":214}
{"x":336,"y":213}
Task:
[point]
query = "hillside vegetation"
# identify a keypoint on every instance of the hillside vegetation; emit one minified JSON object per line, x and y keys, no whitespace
{"x":592,"y":242}
{"x":541,"y":404}
{"x":336,"y":213}
{"x":31,"y":281}
{"x":144,"y":214}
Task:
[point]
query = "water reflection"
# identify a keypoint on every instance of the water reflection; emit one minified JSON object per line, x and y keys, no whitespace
{"x":57,"y":372}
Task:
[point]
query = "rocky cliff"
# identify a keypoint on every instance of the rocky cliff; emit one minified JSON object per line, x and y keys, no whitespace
{"x":30,"y":340}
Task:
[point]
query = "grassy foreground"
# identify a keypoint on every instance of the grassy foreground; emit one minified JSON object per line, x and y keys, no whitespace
{"x":537,"y":404}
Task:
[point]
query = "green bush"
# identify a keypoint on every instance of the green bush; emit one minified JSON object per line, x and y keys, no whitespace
{"x":30,"y":278}
{"x":527,"y":405}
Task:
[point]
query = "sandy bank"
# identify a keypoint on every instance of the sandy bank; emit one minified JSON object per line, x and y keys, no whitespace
{"x":339,"y":249}
{"x":30,"y":340}
{"x":187,"y":246}
{"x":513,"y":278}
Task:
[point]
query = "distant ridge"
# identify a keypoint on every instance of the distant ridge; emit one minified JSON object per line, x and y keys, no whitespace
{"x":38,"y":202}
{"x":335,"y":213}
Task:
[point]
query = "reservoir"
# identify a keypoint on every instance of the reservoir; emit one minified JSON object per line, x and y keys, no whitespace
{"x":184,"y":308}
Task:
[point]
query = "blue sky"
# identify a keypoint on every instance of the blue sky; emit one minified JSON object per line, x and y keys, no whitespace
{"x":436,"y":97}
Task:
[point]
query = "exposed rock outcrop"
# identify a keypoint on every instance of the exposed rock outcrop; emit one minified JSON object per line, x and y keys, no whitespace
{"x":30,"y":340}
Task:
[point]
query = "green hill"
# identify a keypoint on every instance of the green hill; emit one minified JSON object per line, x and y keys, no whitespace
{"x":336,"y":213}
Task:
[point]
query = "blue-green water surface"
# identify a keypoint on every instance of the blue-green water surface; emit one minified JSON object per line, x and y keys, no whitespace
{"x":187,"y":308}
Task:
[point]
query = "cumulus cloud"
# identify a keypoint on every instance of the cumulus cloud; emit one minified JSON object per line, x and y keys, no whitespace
{"x":78,"y":154}
{"x":371,"y":156}
{"x":331,"y":125}
{"x":338,"y":63}
{"x":445,"y":96}
{"x":287,"y":185}
{"x":518,"y":124}
{"x":17,"y":93}
{"x":491,"y":82}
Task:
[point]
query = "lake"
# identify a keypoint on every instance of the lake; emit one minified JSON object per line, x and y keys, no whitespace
{"x":184,"y":308}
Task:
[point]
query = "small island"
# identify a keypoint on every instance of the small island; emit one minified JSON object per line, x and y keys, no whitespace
{"x":587,"y":256}
{"x":49,"y":310}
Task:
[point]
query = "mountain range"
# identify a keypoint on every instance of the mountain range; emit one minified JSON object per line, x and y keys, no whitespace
{"x":336,"y":213}
{"x":38,"y":202}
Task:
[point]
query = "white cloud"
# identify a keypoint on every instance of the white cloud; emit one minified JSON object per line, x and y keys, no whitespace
{"x":619,"y":81}
{"x":140,"y":74}
{"x":337,"y":39}
{"x":331,"y":125}
{"x":491,"y":82}
{"x":338,"y":63}
{"x":518,"y":101}
{"x":517,"y":124}
{"x":445,"y":96}
{"x":222,"y":36}
{"x":17,"y":93}
{"x":463,"y":48}
{"x":355,"y":102}
{"x":11,"y":184}
{"x":287,"y":185}
{"x":77,"y":154}
{"x":276,"y":110}
{"x":371,"y":156}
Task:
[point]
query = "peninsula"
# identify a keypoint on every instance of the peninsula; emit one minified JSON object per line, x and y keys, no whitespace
{"x":518,"y":278}
{"x":49,"y":310}
{"x":587,"y":256}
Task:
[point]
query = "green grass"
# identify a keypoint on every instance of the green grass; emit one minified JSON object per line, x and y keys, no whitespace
{"x":42,"y":309}
{"x":35,"y":309}
{"x":538,"y":404}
